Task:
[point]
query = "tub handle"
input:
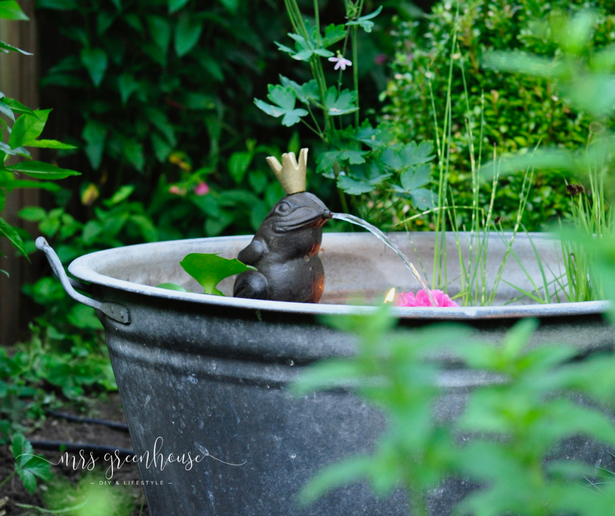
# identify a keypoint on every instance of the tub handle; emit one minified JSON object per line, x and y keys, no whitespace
{"x":113,"y":311}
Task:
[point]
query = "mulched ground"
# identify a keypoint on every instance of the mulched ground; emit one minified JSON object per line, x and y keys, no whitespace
{"x":13,"y":494}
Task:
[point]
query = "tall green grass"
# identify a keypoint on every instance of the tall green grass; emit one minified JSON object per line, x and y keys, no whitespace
{"x":590,"y":213}
{"x":477,"y":289}
{"x":591,"y":216}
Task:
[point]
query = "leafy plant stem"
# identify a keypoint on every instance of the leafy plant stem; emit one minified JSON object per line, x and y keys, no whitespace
{"x":315,"y":62}
{"x":317,"y":71}
{"x":313,"y":129}
{"x":443,"y":165}
{"x":441,"y":189}
{"x":295,"y":17}
{"x":433,"y":210}
{"x":319,"y":74}
{"x":8,"y":478}
{"x":336,"y":171}
{"x":321,"y":134}
{"x":341,"y":72}
{"x":355,"y":71}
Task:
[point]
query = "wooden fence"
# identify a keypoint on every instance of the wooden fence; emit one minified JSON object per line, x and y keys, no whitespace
{"x":18,"y":79}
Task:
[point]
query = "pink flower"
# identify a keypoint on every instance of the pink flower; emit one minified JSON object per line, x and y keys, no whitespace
{"x":421,"y":299}
{"x":340,"y":62}
{"x":201,"y":189}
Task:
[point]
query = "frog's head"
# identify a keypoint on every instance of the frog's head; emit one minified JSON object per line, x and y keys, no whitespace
{"x":296,"y":212}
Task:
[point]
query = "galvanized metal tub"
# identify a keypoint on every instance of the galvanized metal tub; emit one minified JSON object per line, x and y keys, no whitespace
{"x":203,"y":378}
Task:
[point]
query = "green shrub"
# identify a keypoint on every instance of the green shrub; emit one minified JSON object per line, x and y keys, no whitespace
{"x":161,"y":92}
{"x":519,"y":112}
{"x":161,"y":95}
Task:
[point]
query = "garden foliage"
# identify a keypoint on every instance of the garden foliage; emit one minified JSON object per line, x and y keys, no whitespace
{"x":20,"y":129}
{"x":23,"y":374}
{"x":52,"y":366}
{"x":504,"y":112}
{"x":584,"y":73}
{"x":163,"y":92}
{"x":508,"y":436}
{"x":29,"y":466}
{"x":366,"y":161}
{"x":76,"y":362}
{"x":86,"y":497}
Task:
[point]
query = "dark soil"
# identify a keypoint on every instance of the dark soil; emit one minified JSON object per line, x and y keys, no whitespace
{"x":13,"y":495}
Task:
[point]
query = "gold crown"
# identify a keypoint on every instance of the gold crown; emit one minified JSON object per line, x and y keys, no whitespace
{"x":290,"y":174}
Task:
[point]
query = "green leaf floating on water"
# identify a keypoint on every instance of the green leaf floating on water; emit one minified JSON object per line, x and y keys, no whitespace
{"x":172,"y":286}
{"x":211,"y":269}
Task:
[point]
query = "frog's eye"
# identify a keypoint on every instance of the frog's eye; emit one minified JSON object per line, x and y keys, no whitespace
{"x":283,"y":208}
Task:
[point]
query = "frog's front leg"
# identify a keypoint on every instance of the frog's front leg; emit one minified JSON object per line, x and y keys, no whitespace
{"x":252,"y":254}
{"x":251,"y":285}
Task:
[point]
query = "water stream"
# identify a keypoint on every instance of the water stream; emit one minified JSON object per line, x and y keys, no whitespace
{"x":385,"y":240}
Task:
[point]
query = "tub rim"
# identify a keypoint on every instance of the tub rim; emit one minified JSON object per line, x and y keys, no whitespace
{"x":83,"y":269}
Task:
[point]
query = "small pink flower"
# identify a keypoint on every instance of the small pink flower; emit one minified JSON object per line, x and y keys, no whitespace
{"x":340,"y":62}
{"x":201,"y":189}
{"x":421,"y":299}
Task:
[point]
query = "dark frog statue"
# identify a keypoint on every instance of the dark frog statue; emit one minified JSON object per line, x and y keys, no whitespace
{"x":285,"y":247}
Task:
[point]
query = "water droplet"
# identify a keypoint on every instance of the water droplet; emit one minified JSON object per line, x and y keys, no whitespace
{"x":291,"y":363}
{"x":293,"y":456}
